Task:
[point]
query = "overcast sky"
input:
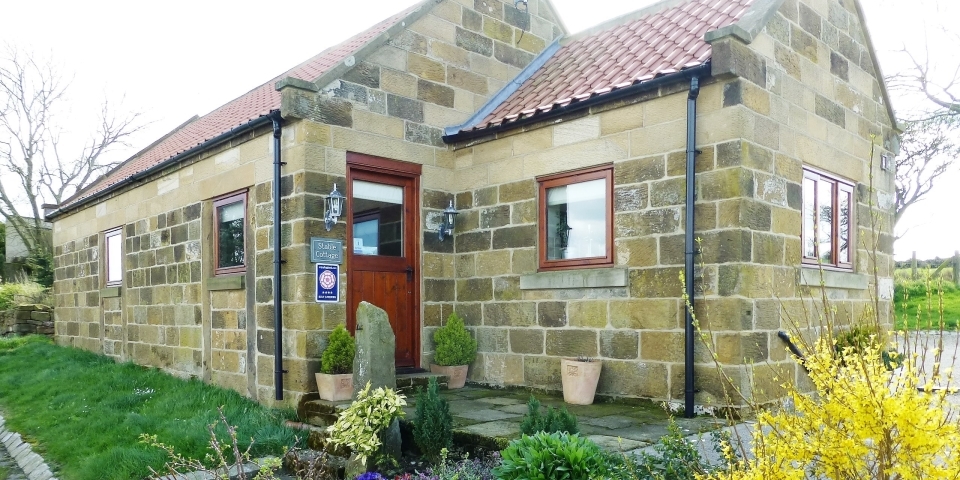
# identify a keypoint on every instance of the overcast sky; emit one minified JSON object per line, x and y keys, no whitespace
{"x":171,"y":60}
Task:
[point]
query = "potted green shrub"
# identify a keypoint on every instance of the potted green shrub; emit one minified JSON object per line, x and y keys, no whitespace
{"x":579,"y":377}
{"x":335,"y":380}
{"x":454,"y":351}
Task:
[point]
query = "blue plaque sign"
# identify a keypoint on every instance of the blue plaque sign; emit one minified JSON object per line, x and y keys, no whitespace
{"x":328,"y":283}
{"x":325,"y":250}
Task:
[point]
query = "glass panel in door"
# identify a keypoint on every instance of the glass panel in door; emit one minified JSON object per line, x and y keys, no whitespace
{"x":377,"y":219}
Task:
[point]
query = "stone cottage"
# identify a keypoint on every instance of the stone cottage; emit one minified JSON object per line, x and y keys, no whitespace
{"x":730,"y":139}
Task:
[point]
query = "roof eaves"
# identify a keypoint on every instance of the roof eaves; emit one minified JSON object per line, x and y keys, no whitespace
{"x":507,"y":90}
{"x":555,"y":110}
{"x":757,"y":16}
{"x":139,"y":176}
{"x":133,"y":158}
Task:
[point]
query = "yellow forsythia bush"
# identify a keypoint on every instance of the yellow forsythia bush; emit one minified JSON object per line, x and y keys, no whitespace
{"x":864,"y":422}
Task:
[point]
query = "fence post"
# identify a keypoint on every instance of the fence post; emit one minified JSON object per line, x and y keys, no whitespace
{"x":956,"y":267}
{"x":913,"y":273}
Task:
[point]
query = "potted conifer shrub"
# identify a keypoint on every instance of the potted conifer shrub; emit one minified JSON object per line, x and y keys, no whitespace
{"x":454,"y":351}
{"x":335,"y":380}
{"x":579,"y":377}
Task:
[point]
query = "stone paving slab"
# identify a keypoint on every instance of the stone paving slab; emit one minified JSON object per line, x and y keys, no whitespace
{"x":502,"y":401}
{"x":458,"y":406}
{"x":487,"y":415}
{"x":497,"y":429}
{"x":21,"y":462}
{"x":616,"y":426}
{"x":611,"y":421}
{"x":616,"y":444}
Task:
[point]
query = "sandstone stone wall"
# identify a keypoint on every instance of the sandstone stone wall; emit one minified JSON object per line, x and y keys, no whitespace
{"x":171,"y":311}
{"x":77,"y":291}
{"x":797,"y":95}
{"x":395,"y":104}
{"x":27,"y":320}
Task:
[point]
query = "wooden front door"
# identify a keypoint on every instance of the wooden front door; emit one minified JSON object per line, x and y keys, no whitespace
{"x":383,"y":256}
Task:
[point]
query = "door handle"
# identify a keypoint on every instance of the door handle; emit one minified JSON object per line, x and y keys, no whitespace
{"x":409,"y":271}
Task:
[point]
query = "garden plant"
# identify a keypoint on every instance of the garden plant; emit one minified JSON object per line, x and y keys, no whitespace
{"x":454,"y":345}
{"x":433,"y":428}
{"x":337,"y":358}
{"x":867,"y":417}
{"x":553,"y":421}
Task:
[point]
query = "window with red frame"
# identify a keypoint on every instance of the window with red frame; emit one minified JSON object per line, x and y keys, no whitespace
{"x":576,"y":219}
{"x":229,"y":224}
{"x":828,"y":221}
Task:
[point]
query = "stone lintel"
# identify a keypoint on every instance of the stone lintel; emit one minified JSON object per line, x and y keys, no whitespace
{"x":587,"y":278}
{"x":810,"y":276}
{"x":110,"y":292}
{"x":232,"y":282}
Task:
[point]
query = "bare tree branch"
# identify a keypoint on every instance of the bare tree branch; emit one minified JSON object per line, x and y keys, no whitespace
{"x":31,"y":91}
{"x":938,"y":82}
{"x":928,"y":148}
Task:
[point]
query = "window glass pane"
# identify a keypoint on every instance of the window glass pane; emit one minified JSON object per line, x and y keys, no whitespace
{"x":114,"y":258}
{"x":230,"y":241}
{"x":577,"y":220}
{"x":809,"y":217}
{"x":366,"y":236}
{"x":843,"y":229}
{"x":377,"y":219}
{"x":825,"y":218}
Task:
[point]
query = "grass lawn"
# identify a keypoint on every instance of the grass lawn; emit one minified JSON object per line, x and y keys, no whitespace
{"x":85,"y":412}
{"x":915,"y":306}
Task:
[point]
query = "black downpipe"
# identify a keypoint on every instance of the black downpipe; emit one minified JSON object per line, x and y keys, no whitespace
{"x":278,"y":370}
{"x":689,"y":247}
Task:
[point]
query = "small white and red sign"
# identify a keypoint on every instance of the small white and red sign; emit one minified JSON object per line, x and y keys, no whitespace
{"x":328,"y":283}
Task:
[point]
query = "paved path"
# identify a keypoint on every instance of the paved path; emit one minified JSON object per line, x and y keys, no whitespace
{"x":23,"y":462}
{"x":9,"y":467}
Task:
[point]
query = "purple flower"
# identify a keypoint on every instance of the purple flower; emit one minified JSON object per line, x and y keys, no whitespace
{"x":370,"y":476}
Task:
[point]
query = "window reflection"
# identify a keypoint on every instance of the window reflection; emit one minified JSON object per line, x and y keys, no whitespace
{"x":377,"y":219}
{"x":230,"y":235}
{"x":576,"y":221}
{"x":825,"y":217}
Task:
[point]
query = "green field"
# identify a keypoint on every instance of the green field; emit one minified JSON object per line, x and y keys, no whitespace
{"x":924,"y":302}
{"x":85,"y":413}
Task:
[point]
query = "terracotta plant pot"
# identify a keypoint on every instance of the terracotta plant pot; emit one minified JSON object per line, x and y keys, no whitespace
{"x":335,"y":388}
{"x":579,"y":380}
{"x":457,"y":374}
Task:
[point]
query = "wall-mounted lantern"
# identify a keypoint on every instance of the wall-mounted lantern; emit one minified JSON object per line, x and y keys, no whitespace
{"x":448,"y":221}
{"x":333,"y":205}
{"x":886,"y":162}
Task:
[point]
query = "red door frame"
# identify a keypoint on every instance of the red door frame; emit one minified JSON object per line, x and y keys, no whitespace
{"x":383,"y":170}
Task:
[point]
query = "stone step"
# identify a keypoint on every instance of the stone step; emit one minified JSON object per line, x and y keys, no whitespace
{"x":323,"y":413}
{"x":409,"y":382}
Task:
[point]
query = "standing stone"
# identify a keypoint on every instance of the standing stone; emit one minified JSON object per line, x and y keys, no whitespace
{"x":376,"y":346}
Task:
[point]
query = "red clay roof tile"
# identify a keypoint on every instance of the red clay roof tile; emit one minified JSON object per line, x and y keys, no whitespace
{"x":249,"y":106}
{"x":618,"y":56}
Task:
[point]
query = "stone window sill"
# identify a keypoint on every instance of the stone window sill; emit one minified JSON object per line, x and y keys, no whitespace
{"x":584,"y":278}
{"x":231,"y":282}
{"x":810,"y":276}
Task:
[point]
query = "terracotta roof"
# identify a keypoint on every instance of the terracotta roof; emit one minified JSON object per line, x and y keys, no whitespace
{"x":617,"y":55}
{"x":249,"y":106}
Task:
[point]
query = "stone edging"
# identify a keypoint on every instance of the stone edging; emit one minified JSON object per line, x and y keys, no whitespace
{"x":21,"y":452}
